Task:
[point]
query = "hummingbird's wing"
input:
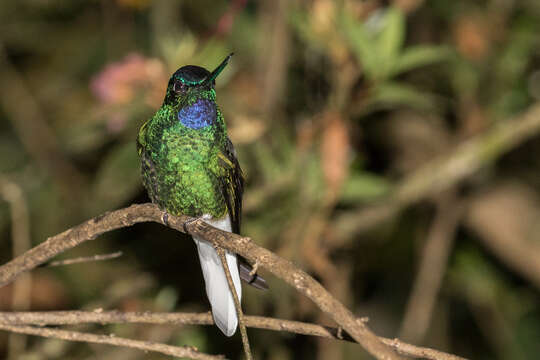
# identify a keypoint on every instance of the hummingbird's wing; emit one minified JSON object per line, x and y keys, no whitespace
{"x":148,"y":169}
{"x":232,"y":184}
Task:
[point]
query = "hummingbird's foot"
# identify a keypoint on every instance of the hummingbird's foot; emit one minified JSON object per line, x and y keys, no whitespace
{"x":165,"y":218}
{"x":188,"y":222}
{"x":192,"y":220}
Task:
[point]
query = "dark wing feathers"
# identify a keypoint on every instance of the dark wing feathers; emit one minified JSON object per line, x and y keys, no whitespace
{"x":232,"y":188}
{"x":232,"y":185}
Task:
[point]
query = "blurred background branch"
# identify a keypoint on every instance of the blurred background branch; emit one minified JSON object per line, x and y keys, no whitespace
{"x":432,"y":267}
{"x":448,"y":169}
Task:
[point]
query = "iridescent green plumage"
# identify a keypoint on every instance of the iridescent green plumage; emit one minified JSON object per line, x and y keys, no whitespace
{"x":191,"y":171}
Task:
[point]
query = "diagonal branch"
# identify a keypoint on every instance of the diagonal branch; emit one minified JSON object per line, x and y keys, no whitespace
{"x":258,"y":322}
{"x":178,"y":351}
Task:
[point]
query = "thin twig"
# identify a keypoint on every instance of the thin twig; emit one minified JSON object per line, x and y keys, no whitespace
{"x":259,"y":322}
{"x":237,"y":305}
{"x":85,"y":259}
{"x":419,"y":352}
{"x":184,"y":351}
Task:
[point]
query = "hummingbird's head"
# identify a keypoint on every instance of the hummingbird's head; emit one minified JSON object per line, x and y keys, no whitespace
{"x":191,"y":95}
{"x":191,"y":82}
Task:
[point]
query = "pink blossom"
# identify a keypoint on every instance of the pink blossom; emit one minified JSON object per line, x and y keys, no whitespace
{"x":120,"y":81}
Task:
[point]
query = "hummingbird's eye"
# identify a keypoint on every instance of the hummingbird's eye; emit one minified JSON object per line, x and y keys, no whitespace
{"x":179,"y":87}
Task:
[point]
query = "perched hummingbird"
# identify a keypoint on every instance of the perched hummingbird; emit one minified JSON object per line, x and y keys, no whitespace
{"x":189,"y":167}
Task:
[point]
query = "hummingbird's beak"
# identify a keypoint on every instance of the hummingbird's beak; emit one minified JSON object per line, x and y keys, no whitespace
{"x":218,"y":70}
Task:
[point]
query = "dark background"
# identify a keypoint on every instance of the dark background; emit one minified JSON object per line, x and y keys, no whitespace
{"x":331,"y":105}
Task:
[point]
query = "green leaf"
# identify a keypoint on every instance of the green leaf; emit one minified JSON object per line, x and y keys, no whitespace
{"x":418,"y":56}
{"x":362,"y":45}
{"x":390,"y":39}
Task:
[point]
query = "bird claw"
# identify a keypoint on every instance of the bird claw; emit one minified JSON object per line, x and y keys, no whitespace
{"x":188,"y":222}
{"x":192,"y":220}
{"x":165,"y":218}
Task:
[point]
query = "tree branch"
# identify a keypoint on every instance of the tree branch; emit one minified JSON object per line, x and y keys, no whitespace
{"x":280,"y":267}
{"x":259,"y":322}
{"x":178,"y":351}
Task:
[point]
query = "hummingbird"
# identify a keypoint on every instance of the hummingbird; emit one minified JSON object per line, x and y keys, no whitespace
{"x":189,"y":167}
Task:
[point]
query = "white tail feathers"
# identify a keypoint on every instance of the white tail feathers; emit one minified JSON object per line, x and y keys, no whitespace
{"x":217,"y":287}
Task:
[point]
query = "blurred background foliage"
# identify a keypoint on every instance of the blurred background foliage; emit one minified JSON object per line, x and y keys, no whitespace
{"x":330,"y":104}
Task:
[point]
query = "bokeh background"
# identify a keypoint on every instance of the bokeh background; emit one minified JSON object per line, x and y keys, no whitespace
{"x":346,"y":116}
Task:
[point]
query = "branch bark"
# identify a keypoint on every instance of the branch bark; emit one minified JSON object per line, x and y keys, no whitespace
{"x":280,"y":267}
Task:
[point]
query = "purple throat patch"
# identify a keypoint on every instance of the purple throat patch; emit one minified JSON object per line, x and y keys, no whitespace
{"x":200,"y":114}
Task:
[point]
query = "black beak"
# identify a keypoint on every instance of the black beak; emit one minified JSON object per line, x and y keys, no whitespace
{"x":218,"y":70}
